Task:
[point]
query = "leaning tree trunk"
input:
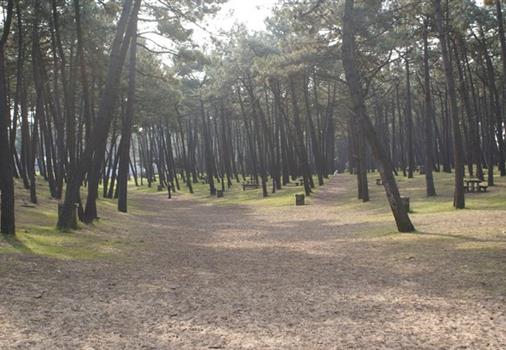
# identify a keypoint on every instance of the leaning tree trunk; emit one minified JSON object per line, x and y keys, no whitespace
{"x":99,"y":138}
{"x":97,"y":144}
{"x":357,"y":98}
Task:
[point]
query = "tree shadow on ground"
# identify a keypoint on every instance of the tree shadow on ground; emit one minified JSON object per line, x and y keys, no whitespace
{"x":237,"y":277}
{"x":13,"y":244}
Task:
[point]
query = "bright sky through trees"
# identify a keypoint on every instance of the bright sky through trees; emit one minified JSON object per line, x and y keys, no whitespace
{"x":251,"y":13}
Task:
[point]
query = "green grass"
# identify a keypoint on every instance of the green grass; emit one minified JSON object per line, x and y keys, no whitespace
{"x":36,"y":231}
{"x":414,"y":188}
{"x":236,"y":196}
{"x":46,"y":241}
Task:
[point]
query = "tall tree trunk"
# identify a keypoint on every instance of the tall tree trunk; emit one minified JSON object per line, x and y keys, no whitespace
{"x":315,"y":142}
{"x":28,"y":145}
{"x":19,"y":100}
{"x":7,"y":216}
{"x":299,"y":138}
{"x":126,"y":129}
{"x":125,"y":30}
{"x":409,"y":121}
{"x":209,"y":159}
{"x":429,"y":151}
{"x":108,"y":102}
{"x":458,"y":151}
{"x":357,"y":97}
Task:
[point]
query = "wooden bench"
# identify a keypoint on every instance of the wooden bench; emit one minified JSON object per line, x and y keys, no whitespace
{"x":27,"y":204}
{"x":482,"y":188}
{"x":246,"y":186}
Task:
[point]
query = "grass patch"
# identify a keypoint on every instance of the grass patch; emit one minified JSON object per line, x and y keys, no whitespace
{"x":47,"y":241}
{"x":421,"y":204}
{"x":37,"y":233}
{"x":236,"y":196}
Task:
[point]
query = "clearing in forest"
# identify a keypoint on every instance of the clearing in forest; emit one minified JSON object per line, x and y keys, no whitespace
{"x":189,"y":274}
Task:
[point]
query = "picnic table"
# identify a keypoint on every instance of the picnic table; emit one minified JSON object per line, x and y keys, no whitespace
{"x":250,"y":185}
{"x":474,"y":185}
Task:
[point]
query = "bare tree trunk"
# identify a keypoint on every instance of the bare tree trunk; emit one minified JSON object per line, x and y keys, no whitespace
{"x":28,"y":145}
{"x":105,"y":113}
{"x":353,"y":79}
{"x":126,"y":130}
{"x":7,"y":216}
{"x":429,"y":151}
{"x":409,"y":121}
{"x":208,"y":150}
{"x":458,"y":151}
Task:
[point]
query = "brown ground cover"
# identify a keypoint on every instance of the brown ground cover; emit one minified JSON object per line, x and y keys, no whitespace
{"x":334,"y":274}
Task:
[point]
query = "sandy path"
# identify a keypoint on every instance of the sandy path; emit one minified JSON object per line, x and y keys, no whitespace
{"x":237,"y":278}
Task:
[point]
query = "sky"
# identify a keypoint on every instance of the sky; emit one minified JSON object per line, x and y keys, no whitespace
{"x":251,"y":13}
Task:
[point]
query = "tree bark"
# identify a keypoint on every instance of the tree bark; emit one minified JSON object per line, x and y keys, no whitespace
{"x":357,"y":98}
{"x":7,"y":215}
{"x":101,"y":129}
{"x":429,"y":139}
{"x":126,"y":129}
{"x":458,"y":151}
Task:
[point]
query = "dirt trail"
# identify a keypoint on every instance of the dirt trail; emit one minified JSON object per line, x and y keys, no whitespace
{"x":216,"y":277}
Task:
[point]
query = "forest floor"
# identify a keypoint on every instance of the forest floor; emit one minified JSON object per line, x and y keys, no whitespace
{"x":188,"y":274}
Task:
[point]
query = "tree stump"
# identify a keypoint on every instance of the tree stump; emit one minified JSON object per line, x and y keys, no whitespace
{"x":405,"y":203}
{"x":299,"y":199}
{"x":219,"y":193}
